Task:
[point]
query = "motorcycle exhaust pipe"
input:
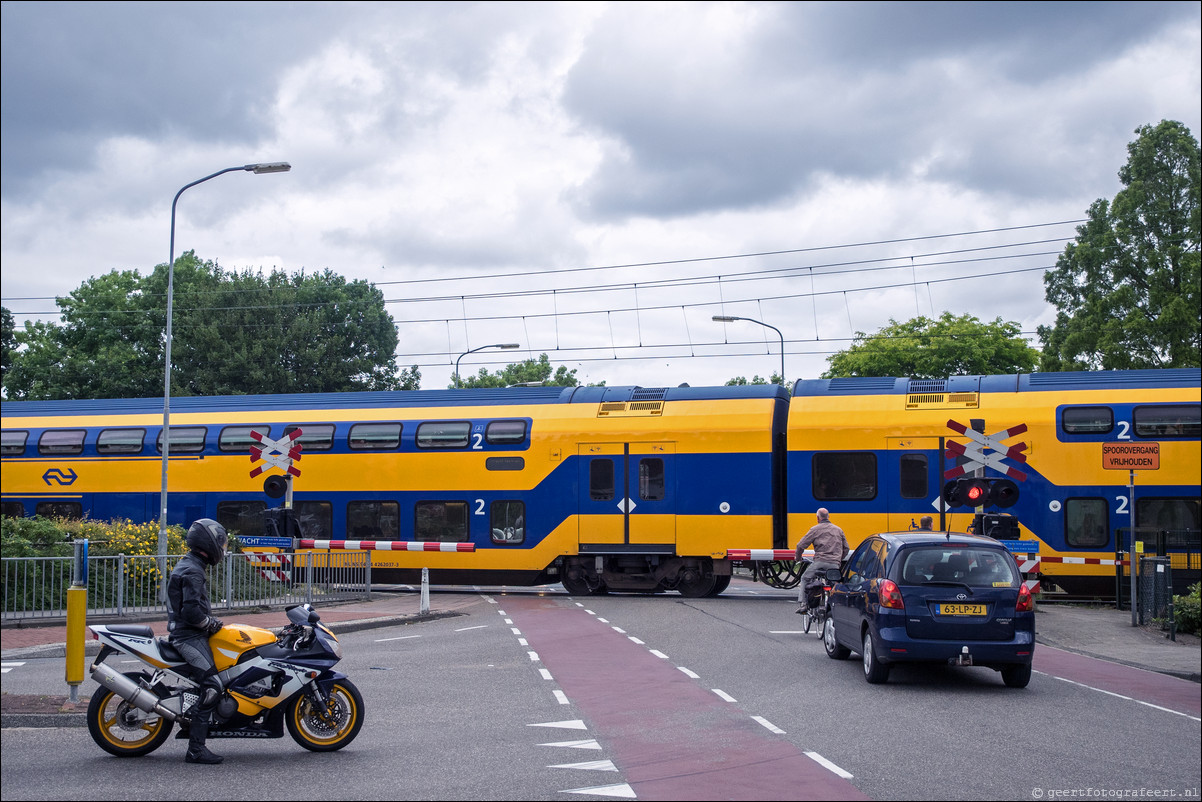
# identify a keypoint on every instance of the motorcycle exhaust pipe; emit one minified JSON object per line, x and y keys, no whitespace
{"x":130,"y":691}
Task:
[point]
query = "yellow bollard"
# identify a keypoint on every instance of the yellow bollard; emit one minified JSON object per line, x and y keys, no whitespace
{"x":77,"y":612}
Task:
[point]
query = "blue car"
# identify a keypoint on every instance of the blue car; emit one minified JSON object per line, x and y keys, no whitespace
{"x":933,"y":597}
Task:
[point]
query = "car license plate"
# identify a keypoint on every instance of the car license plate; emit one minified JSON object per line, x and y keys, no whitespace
{"x":962,"y":609}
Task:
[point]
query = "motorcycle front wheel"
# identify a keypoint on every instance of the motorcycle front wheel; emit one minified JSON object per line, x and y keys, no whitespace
{"x":121,"y":729}
{"x":331,"y":728}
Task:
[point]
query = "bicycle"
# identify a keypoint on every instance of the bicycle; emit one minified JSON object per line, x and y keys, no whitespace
{"x":819,"y":607}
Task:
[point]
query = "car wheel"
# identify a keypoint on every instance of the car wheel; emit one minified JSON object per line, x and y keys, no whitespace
{"x":1017,"y":676}
{"x":875,"y":671}
{"x":833,"y":650}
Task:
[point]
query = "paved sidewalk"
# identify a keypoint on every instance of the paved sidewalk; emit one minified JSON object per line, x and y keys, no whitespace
{"x":1100,"y":632}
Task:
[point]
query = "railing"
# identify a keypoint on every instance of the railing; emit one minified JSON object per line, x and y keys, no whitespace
{"x":35,"y":588}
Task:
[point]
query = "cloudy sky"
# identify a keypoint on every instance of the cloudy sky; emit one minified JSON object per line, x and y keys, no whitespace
{"x":594,"y":181}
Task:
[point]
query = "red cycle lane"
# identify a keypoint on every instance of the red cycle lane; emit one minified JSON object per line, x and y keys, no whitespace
{"x":671,"y":738}
{"x":1146,"y":686}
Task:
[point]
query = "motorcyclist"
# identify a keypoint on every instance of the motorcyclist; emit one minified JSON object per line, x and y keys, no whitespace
{"x":190,"y":623}
{"x":830,"y":550}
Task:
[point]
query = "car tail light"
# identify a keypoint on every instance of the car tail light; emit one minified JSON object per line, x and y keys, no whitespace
{"x":1026,"y":602}
{"x":92,"y":632}
{"x":890,"y":595}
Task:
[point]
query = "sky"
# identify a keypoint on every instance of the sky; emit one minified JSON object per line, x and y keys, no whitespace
{"x":592,"y":181}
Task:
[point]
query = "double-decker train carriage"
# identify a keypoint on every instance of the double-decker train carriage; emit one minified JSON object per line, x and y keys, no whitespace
{"x":645,"y":489}
{"x":599,"y":488}
{"x":1058,"y":448}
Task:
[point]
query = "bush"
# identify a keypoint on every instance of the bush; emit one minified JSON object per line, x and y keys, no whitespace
{"x":1187,"y":610}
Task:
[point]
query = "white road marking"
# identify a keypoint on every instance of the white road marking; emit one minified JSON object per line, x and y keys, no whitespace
{"x":621,"y":790}
{"x":7,"y":667}
{"x":723,"y":695}
{"x":820,"y":760}
{"x":562,"y":697}
{"x":573,"y":724}
{"x":575,"y":744}
{"x":688,"y":673}
{"x":1128,"y":698}
{"x":402,"y":637}
{"x":768,"y":725}
{"x":588,"y":765}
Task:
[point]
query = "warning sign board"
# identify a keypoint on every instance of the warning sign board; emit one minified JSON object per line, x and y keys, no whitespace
{"x":1131,"y":456}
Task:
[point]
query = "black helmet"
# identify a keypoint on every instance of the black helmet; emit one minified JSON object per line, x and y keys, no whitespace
{"x":208,"y":536}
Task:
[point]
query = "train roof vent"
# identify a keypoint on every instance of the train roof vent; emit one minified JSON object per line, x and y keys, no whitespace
{"x":648,"y":393}
{"x":630,"y":409}
{"x":942,"y":400}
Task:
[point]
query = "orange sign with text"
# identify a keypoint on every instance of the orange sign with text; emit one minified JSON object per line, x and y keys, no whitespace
{"x":1131,"y":456}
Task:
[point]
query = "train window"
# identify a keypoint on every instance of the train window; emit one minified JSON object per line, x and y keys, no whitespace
{"x":506,"y":432}
{"x":1169,"y":420}
{"x":374,"y":436}
{"x":601,"y":479}
{"x":120,"y":441}
{"x":13,"y":509}
{"x":504,"y":463}
{"x":914,"y":481}
{"x":316,"y":436}
{"x":184,"y":440}
{"x":441,"y":521}
{"x":12,"y":442}
{"x":61,"y":441}
{"x":443,"y":434}
{"x":507,"y":519}
{"x":242,"y":517}
{"x":1086,"y":523}
{"x":651,"y":478}
{"x":237,"y":438}
{"x":1172,"y":514}
{"x":844,"y":476}
{"x":316,"y":519}
{"x":373,"y":520}
{"x":60,"y":509}
{"x":1087,"y":420}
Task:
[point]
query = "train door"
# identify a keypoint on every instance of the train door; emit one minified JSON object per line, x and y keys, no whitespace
{"x":628,"y":494}
{"x":912,"y":485}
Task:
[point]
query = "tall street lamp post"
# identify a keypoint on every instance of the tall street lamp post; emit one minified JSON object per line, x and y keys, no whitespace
{"x":732,"y":319}
{"x":505,"y":346}
{"x":265,"y":167}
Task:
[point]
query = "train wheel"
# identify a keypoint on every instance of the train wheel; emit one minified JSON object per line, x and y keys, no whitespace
{"x":780,"y":574}
{"x":694,"y":583}
{"x":721,"y":583}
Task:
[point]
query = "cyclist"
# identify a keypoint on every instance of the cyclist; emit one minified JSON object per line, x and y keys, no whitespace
{"x":830,"y":550}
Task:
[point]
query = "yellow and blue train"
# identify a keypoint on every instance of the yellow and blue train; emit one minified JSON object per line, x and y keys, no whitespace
{"x":632,"y":488}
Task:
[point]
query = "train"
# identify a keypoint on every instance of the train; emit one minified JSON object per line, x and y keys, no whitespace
{"x":642,"y":489}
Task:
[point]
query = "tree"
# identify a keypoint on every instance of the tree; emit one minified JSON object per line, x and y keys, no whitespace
{"x":531,"y":371}
{"x":8,"y":341}
{"x":1127,"y":290}
{"x":923,"y":348}
{"x":739,"y":381}
{"x":232,"y":333}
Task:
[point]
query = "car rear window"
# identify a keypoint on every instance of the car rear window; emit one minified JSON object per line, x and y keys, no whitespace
{"x":973,"y":566}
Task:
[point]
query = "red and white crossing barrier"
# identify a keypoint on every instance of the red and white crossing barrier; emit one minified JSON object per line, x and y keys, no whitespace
{"x":386,"y":545}
{"x":274,"y":567}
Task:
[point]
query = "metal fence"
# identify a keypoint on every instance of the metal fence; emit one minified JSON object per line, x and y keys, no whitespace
{"x":35,"y":588}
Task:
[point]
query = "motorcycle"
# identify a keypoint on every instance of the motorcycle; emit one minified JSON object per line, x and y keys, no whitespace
{"x":270,"y":680}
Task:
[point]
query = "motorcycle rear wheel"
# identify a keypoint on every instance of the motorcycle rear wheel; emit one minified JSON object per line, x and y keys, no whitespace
{"x":121,"y":729}
{"x":338,"y":727}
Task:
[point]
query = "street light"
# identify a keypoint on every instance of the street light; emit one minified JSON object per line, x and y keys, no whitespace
{"x":732,"y":319}
{"x":263,"y":167}
{"x":506,"y":346}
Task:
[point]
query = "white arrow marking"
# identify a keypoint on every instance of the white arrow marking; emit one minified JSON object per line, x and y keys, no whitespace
{"x":588,"y":765}
{"x":575,"y":744}
{"x":622,"y":790}
{"x":577,"y":724}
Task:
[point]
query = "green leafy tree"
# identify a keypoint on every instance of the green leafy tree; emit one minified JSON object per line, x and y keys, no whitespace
{"x":8,"y":341}
{"x":742,"y":380}
{"x":530,"y":371}
{"x":1127,"y":290}
{"x":923,"y":348}
{"x":232,"y":333}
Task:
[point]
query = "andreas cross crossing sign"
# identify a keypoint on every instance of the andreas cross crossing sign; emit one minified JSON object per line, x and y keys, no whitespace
{"x":276,"y":453}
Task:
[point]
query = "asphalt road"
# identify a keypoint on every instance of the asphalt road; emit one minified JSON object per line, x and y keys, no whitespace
{"x":542,"y":696}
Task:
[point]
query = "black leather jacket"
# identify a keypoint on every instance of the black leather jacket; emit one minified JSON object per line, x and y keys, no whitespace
{"x":188,"y":612}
